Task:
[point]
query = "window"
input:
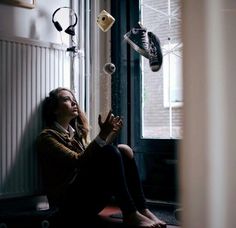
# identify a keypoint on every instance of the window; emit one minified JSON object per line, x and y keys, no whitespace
{"x":172,"y":75}
{"x":162,"y":91}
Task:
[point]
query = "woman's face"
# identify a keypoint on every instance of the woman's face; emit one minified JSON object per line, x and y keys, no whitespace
{"x":67,"y":107}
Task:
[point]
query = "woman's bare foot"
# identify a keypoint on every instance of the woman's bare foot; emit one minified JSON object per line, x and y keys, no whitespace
{"x":147,"y":213}
{"x":136,"y":219}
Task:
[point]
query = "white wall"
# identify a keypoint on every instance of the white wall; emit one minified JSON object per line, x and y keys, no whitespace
{"x":208,"y":158}
{"x":30,"y":67}
{"x":34,"y":23}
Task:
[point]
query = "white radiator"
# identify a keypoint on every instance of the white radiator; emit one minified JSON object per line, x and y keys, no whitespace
{"x":28,"y":71}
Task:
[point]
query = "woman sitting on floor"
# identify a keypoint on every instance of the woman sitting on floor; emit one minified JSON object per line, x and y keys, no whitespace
{"x":80,"y":176}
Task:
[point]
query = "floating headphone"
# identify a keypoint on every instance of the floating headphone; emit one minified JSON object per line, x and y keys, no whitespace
{"x":70,"y":30}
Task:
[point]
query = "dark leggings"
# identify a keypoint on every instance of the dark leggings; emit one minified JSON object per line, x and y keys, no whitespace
{"x":107,"y":173}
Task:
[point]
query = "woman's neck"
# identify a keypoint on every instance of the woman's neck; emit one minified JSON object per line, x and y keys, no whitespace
{"x":64,"y":123}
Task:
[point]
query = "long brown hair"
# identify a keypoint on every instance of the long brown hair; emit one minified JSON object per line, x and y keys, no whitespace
{"x":80,"y":123}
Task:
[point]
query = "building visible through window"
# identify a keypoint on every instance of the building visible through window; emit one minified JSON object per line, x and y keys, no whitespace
{"x":162,"y":98}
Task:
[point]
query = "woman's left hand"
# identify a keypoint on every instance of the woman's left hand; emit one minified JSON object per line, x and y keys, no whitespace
{"x":112,"y":124}
{"x":117,"y":124}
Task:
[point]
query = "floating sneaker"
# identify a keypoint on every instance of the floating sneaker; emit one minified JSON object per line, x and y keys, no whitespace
{"x":155,"y":53}
{"x":137,"y":38}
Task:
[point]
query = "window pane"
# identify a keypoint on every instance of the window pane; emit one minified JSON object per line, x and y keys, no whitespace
{"x":162,"y":99}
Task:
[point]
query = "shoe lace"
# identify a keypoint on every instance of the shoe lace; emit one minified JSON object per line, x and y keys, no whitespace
{"x":153,"y":49}
{"x":144,"y":38}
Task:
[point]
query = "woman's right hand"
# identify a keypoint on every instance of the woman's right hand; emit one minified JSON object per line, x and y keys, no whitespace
{"x":111,"y":124}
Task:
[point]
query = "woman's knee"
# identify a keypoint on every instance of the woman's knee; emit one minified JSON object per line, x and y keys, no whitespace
{"x":126,"y":150}
{"x":110,"y":151}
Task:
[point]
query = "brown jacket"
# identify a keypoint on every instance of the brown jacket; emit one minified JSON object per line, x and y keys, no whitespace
{"x":60,"y":159}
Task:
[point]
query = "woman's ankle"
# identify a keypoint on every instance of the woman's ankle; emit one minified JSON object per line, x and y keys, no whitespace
{"x":147,"y":213}
{"x":136,"y":219}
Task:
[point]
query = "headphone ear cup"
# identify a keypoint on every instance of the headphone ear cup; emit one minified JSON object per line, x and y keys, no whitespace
{"x":58,"y":26}
{"x":70,"y":30}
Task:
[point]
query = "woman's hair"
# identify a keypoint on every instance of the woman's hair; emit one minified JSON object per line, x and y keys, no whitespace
{"x":80,"y":123}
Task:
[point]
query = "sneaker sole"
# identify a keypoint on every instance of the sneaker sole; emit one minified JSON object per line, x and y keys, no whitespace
{"x":136,"y":47}
{"x":155,"y":68}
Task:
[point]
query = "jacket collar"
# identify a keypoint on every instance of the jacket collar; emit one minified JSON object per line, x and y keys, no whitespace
{"x":70,"y":131}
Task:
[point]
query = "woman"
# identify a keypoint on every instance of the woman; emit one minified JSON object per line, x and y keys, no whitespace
{"x":80,"y":176}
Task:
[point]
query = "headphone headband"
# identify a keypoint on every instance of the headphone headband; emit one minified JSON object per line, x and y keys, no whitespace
{"x":58,"y":26}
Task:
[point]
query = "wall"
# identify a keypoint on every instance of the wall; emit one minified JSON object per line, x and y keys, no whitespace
{"x":34,"y":27}
{"x":30,"y":67}
{"x":208,"y":158}
{"x":36,"y":24}
{"x":33,"y":23}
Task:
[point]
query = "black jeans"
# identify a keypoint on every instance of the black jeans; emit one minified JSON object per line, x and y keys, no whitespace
{"x":107,"y":173}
